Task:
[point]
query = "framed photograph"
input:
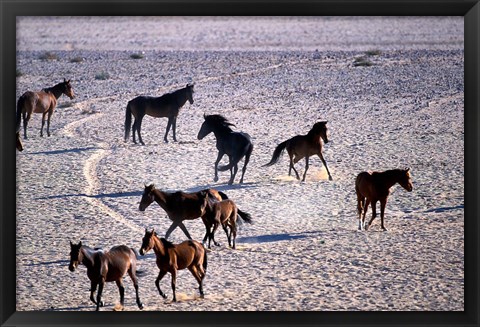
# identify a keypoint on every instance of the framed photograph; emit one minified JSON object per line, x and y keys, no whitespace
{"x":239,"y":163}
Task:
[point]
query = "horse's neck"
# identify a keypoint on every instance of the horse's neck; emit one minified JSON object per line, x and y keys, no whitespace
{"x":55,"y":90}
{"x":159,"y":249}
{"x":87,"y":256}
{"x":161,"y":198}
{"x":181,"y":97}
{"x":391,"y":178}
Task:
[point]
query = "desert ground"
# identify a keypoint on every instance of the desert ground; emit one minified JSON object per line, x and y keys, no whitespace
{"x":273,"y":77}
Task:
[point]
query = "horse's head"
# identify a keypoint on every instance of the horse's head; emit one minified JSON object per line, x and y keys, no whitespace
{"x":67,"y":89}
{"x":405,"y":180}
{"x":147,"y":241}
{"x":205,"y":129}
{"x":190,"y":93}
{"x":147,"y":197}
{"x":19,"y":142}
{"x":76,"y":255}
{"x":321,"y":129}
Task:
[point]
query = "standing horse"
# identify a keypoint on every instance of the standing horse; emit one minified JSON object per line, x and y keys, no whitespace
{"x":167,"y":105}
{"x":43,"y":102}
{"x":223,"y":213}
{"x":106,"y":266}
{"x":19,"y":143}
{"x":173,"y":257}
{"x":373,"y":187}
{"x":303,"y":146}
{"x":234,"y":144}
{"x":179,"y":205}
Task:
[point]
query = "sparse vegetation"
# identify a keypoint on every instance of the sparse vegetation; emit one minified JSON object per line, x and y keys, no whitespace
{"x":77,"y":59}
{"x":362,"y":62}
{"x":102,"y":76}
{"x":137,"y":56}
{"x":48,"y":56}
{"x":373,"y":53}
{"x":19,"y":73}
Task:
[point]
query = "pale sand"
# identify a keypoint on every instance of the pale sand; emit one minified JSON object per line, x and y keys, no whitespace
{"x":303,"y":251}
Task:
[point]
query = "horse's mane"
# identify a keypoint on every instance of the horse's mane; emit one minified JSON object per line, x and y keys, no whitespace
{"x":218,"y":121}
{"x":166,"y":244}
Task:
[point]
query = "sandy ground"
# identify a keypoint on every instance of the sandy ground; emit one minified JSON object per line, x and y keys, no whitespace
{"x":274,"y":78}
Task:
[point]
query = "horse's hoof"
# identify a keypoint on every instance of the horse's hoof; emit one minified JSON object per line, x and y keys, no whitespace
{"x":140,"y":306}
{"x":330,"y":178}
{"x":101,"y":303}
{"x":215,"y":179}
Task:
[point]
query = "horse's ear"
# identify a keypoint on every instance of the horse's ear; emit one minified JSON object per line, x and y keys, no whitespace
{"x":407,"y":169}
{"x":204,"y":115}
{"x":71,"y":244}
{"x":80,"y":243}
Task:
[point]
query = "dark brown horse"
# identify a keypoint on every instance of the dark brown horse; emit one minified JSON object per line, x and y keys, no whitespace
{"x":235,"y":145}
{"x":167,"y":105}
{"x":303,"y":146}
{"x":43,"y":102}
{"x":179,"y":205}
{"x":373,"y":187}
{"x":223,"y":213}
{"x":18,"y":142}
{"x":106,"y":266}
{"x":173,"y":257}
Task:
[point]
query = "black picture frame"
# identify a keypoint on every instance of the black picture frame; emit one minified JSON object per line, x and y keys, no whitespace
{"x":11,"y":9}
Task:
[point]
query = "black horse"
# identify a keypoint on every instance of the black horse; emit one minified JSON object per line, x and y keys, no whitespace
{"x":167,"y":105}
{"x":234,"y":144}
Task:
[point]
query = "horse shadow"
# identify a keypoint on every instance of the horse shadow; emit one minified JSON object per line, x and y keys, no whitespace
{"x":63,"y":151}
{"x":97,"y":196}
{"x":223,"y":187}
{"x":278,"y":237}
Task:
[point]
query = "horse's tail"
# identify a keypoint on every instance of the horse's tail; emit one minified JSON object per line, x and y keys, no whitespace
{"x":20,"y":104}
{"x":223,"y":195}
{"x":245,"y":216}
{"x":128,"y":121}
{"x":277,"y":153}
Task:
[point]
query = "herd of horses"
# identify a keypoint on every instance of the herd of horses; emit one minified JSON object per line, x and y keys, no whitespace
{"x":212,"y":206}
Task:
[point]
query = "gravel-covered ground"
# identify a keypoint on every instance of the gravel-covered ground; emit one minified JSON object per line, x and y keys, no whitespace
{"x":273,"y":78}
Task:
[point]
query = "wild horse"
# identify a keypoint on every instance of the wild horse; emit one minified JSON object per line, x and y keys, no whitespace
{"x":167,"y":105}
{"x":43,"y":102}
{"x":106,"y":266}
{"x":234,"y":144}
{"x":375,"y":186}
{"x":179,"y":205}
{"x":173,"y":257}
{"x":303,"y":146}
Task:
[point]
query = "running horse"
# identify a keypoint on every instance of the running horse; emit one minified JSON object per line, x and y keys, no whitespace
{"x":179,"y":205}
{"x":44,"y":102}
{"x":173,"y":257}
{"x":167,"y":105}
{"x":375,"y":186}
{"x":303,"y":146}
{"x":106,"y":266}
{"x":235,"y":145}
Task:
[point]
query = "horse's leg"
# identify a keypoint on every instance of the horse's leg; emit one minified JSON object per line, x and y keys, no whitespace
{"x":174,"y":128}
{"x":174,"y":282}
{"x":121,"y":290}
{"x":360,"y":201}
{"x":365,"y":209}
{"x":161,"y":274}
{"x":233,"y":174}
{"x":50,"y":113}
{"x":184,"y":229}
{"x":139,"y":129}
{"x":292,"y":167}
{"x":93,"y":288}
{"x":383,"y":203}
{"x":212,"y":235}
{"x":196,"y":273}
{"x":247,"y":159}
{"x":219,"y":157}
{"x":171,"y":228}
{"x":207,"y":230}
{"x":169,"y":124}
{"x":134,"y":130}
{"x":43,"y":123}
{"x":325,"y":164}
{"x":233,"y":234}
{"x":99,"y":293}
{"x":133,"y":277}
{"x":306,"y":168}
{"x":374,"y":212}
{"x":26,"y":118}
{"x":227,"y":233}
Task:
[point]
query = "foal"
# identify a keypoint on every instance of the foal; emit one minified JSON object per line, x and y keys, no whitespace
{"x":173,"y":257}
{"x":106,"y":266}
{"x":373,"y":187}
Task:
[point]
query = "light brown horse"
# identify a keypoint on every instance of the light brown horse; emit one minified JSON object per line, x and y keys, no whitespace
{"x":167,"y":105}
{"x":173,"y":257}
{"x":303,"y":146}
{"x":223,"y":213}
{"x":19,"y":143}
{"x":43,"y":102}
{"x":375,"y":186}
{"x":106,"y":266}
{"x":179,"y":205}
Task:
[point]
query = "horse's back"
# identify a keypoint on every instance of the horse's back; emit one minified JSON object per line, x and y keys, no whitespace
{"x":188,"y":252}
{"x":371,"y":185}
{"x":162,"y":106}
